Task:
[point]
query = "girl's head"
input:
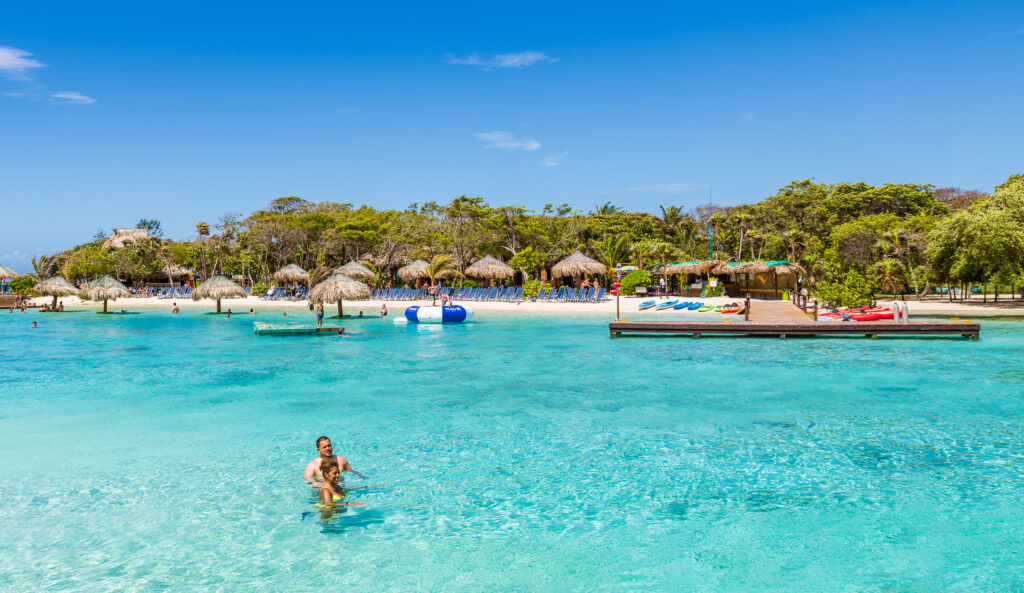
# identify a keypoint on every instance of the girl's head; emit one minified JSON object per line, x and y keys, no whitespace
{"x":330,"y":471}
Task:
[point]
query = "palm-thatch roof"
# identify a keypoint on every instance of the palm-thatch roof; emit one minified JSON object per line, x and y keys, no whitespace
{"x":752,"y":267}
{"x":6,"y":272}
{"x":55,"y":286}
{"x":291,"y":273}
{"x":123,"y":237}
{"x":417,"y":269}
{"x":218,"y":287}
{"x":336,"y":288}
{"x":489,"y":267}
{"x":785,"y":267}
{"x":106,"y":289}
{"x":354,"y":269}
{"x":577,"y":264}
{"x":176,"y":271}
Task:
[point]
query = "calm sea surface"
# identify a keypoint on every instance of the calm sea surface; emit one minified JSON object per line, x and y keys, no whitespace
{"x":153,"y":452}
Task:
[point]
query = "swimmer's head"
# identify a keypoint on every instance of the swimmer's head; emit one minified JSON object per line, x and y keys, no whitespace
{"x":330,"y":471}
{"x":323,"y":445}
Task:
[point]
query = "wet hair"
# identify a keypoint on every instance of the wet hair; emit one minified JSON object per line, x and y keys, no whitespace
{"x":320,"y":440}
{"x":326,"y":466}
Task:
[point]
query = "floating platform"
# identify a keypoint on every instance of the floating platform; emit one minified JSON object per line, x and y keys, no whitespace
{"x":263,"y":328}
{"x":869,"y":329}
{"x":783,"y":318}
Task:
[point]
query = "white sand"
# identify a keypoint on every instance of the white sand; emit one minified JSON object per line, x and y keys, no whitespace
{"x":628,"y":306}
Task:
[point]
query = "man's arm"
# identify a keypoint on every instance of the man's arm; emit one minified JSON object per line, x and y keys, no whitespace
{"x":347,"y":467}
{"x":310,"y":471}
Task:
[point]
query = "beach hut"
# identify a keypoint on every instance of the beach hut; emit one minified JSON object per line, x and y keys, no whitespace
{"x":55,"y":286}
{"x":337,"y":288}
{"x":106,"y":289}
{"x":291,"y":273}
{"x":354,"y":269}
{"x":490,"y":268}
{"x":218,"y":287}
{"x":577,"y":264}
{"x":417,"y":269}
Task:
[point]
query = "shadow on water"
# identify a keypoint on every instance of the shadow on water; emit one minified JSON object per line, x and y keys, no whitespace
{"x":340,"y":520}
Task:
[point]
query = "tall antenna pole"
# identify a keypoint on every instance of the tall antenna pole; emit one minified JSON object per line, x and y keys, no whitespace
{"x":711,"y":229}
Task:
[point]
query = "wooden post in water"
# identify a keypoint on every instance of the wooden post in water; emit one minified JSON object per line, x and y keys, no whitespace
{"x":815,"y":309}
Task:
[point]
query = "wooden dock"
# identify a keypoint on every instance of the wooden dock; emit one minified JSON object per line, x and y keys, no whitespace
{"x":262,"y":328}
{"x":783,"y":318}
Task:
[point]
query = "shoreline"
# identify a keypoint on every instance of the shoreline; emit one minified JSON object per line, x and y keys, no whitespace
{"x":627,"y":305}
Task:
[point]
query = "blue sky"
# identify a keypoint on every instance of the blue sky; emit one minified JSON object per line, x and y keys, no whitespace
{"x":110,"y":112}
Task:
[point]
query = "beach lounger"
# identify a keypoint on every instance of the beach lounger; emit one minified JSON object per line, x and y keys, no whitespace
{"x":540,"y":295}
{"x":599,"y":296}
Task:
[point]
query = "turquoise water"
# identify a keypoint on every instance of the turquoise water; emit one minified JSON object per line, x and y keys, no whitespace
{"x":154,"y":452}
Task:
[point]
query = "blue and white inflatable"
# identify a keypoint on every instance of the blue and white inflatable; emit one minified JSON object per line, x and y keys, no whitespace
{"x":452,"y":314}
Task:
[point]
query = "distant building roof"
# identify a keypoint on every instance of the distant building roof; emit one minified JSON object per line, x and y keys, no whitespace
{"x":124,"y":236}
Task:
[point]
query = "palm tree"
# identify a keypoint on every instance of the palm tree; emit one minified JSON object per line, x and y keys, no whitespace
{"x":756,"y":241}
{"x":742,"y":222}
{"x":442,"y":264}
{"x":663,"y":251}
{"x":607,"y":208}
{"x":611,"y":251}
{"x":795,"y":244}
{"x":43,"y":265}
{"x":716,"y":224}
{"x":887,"y":274}
{"x":671,"y":218}
{"x":901,"y":243}
{"x":204,"y":231}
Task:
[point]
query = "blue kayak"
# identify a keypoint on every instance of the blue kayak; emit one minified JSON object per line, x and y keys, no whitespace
{"x":682,"y":305}
{"x":647,"y":305}
{"x":694,"y":306}
{"x":665,"y":305}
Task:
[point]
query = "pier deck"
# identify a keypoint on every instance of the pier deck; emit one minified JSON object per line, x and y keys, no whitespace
{"x":782,"y":319}
{"x":264,"y":328}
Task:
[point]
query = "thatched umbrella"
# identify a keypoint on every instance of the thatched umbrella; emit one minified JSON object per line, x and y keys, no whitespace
{"x":706,"y":267}
{"x":218,"y":287}
{"x":417,"y":269}
{"x":577,"y":264}
{"x":336,"y":288}
{"x":489,"y":267}
{"x":789,"y":268}
{"x":106,"y":289}
{"x":6,"y":272}
{"x":55,"y":286}
{"x":354,"y":269}
{"x":291,"y":273}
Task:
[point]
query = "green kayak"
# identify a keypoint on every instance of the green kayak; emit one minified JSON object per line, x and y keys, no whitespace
{"x":718,"y":308}
{"x":705,"y":308}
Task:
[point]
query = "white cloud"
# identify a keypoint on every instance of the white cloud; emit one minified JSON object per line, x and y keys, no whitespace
{"x":1019,"y":32}
{"x":72,"y":98}
{"x":669,"y":188}
{"x":15,"y":63}
{"x":520,"y":60}
{"x":506,"y":141}
{"x":747,"y":117}
{"x":554,"y":160}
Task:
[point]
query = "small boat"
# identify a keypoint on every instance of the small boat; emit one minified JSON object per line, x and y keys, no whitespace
{"x":718,"y":308}
{"x":730,"y":308}
{"x":666,"y":305}
{"x":694,"y":306}
{"x":705,"y":308}
{"x":682,"y":305}
{"x":647,"y":305}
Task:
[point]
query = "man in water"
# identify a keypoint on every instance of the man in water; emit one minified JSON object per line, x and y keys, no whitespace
{"x":174,"y":308}
{"x":319,"y":324}
{"x":326,"y":450}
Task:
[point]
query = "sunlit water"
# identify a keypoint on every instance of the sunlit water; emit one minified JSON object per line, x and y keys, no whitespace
{"x":154,"y":452}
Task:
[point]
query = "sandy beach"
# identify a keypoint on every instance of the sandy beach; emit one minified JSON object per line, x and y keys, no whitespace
{"x":627,"y":306}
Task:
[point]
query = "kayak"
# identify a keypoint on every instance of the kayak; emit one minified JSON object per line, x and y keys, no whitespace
{"x":741,"y":310}
{"x":647,"y":305}
{"x":682,"y":305}
{"x":665,"y":305}
{"x":730,"y":308}
{"x":705,"y":308}
{"x":694,"y":306}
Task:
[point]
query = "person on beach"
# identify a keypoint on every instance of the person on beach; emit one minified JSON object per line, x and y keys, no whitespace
{"x":60,"y":307}
{"x":174,"y":307}
{"x":313,"y":475}
{"x":661,"y":286}
{"x":319,"y":314}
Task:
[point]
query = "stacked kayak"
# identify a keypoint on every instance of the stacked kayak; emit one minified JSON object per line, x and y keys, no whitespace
{"x":862,"y":314}
{"x":647,"y":305}
{"x":682,"y":305}
{"x":666,"y":305}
